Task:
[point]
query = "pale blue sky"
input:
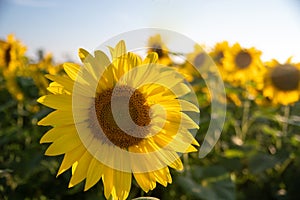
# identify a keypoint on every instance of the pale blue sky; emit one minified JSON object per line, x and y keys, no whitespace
{"x":61,"y":27}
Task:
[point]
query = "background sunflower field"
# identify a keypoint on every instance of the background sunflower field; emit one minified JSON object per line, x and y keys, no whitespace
{"x":257,"y":156}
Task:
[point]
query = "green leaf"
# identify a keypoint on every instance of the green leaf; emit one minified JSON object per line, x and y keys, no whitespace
{"x":208,"y":183}
{"x":260,"y":162}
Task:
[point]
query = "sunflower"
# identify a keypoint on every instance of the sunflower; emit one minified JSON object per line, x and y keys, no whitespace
{"x":119,"y":118}
{"x":12,"y":62}
{"x":243,"y":66}
{"x":156,"y":44}
{"x":4,"y":53}
{"x":218,"y":52}
{"x":198,"y":59}
{"x":282,"y":82}
{"x":12,"y":53}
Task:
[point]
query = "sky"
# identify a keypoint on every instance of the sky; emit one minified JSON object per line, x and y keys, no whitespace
{"x":61,"y":27}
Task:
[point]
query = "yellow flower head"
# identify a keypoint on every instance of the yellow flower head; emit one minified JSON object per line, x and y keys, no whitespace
{"x":282,"y":82}
{"x":198,"y":58}
{"x":243,"y":67}
{"x":218,"y":52}
{"x":196,"y":61}
{"x":118,"y":118}
{"x":12,"y":53}
{"x":12,"y":64}
{"x":156,"y":44}
{"x":4,"y":53}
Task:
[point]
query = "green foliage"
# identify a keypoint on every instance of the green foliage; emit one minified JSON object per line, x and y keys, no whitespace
{"x":257,"y":156}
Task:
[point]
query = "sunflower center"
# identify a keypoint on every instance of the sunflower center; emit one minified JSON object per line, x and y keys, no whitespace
{"x":129,"y":135}
{"x":219,"y":57}
{"x":7,"y":56}
{"x":157,"y":48}
{"x":243,"y":59}
{"x":285,"y":77}
{"x":199,"y":60}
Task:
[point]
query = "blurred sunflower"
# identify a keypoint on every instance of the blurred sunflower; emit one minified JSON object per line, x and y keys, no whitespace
{"x":282,"y":82}
{"x":194,"y":60}
{"x":242,"y":66}
{"x":12,"y":64}
{"x":218,"y":52}
{"x":12,"y":53}
{"x":119,"y":118}
{"x":185,"y":70}
{"x":198,"y":59}
{"x":37,"y":71}
{"x":4,"y":53}
{"x":156,"y":44}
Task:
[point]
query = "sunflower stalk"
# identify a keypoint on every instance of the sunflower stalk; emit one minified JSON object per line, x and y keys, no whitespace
{"x":245,"y":119}
{"x":20,"y":111}
{"x":285,"y":122}
{"x":282,"y":168}
{"x":186,"y":164}
{"x":284,"y":125}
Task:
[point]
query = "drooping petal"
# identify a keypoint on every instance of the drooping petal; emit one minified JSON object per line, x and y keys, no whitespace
{"x":94,"y":173}
{"x":64,"y":144}
{"x":145,"y":180}
{"x":79,"y":171}
{"x":108,"y":181}
{"x":122,"y":183}
{"x":57,"y":132}
{"x":70,"y":158}
{"x":163,"y":176}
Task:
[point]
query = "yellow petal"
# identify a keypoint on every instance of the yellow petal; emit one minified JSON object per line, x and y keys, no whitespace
{"x":101,"y":63}
{"x":70,"y":158}
{"x":151,"y":58}
{"x":119,"y":50}
{"x":57,"y":118}
{"x":56,"y":88}
{"x":145,"y":181}
{"x":184,"y":135}
{"x":185,"y":120}
{"x":108,"y":180}
{"x":63,"y":101}
{"x":63,"y":144}
{"x":163,"y":176}
{"x":58,"y":132}
{"x":177,"y":164}
{"x":80,"y":169}
{"x":94,"y":174}
{"x":65,"y":81}
{"x":83,"y":54}
{"x":188,"y":106}
{"x":174,"y":144}
{"x":122,"y":182}
{"x":71,"y":69}
{"x":180,"y":89}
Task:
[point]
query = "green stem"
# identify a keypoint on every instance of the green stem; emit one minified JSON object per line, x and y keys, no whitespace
{"x":186,"y":164}
{"x":285,"y":122}
{"x":20,"y":111}
{"x":245,"y":119}
{"x":285,"y":165}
